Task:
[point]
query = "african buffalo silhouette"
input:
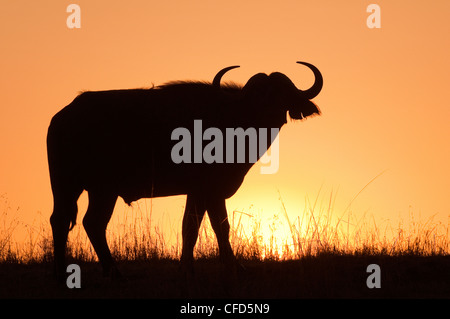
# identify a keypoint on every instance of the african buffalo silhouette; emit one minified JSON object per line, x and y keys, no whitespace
{"x":118,"y":143}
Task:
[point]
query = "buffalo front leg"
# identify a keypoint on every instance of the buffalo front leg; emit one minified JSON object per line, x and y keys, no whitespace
{"x":218,"y":216}
{"x":95,"y":221}
{"x":193,"y":216}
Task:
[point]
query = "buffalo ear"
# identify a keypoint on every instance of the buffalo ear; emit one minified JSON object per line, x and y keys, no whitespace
{"x":304,"y":109}
{"x":310,"y":109}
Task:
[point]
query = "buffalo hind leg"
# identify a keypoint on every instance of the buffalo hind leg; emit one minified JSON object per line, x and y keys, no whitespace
{"x":193,"y":216}
{"x":62,"y":220}
{"x":100,"y":209}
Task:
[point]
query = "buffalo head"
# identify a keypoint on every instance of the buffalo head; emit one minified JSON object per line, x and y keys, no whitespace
{"x":276,"y":91}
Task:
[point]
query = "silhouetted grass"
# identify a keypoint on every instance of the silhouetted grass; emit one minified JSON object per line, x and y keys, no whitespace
{"x":320,"y":254}
{"x":315,"y":232}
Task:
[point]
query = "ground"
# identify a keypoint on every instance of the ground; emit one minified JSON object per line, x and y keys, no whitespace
{"x":325,"y":276}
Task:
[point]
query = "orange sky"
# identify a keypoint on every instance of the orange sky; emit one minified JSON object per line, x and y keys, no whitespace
{"x":384,"y":102}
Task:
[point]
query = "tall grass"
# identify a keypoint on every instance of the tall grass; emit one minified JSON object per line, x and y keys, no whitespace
{"x":317,"y":230}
